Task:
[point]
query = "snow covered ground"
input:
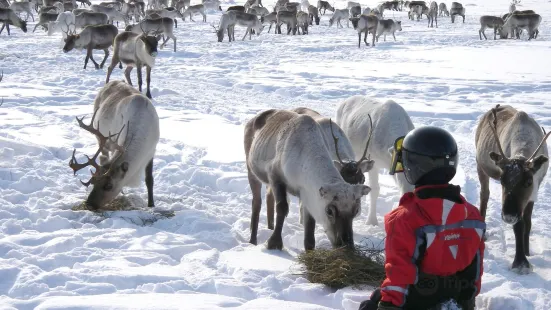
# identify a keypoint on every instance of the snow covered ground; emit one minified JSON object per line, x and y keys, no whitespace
{"x":52,"y":257}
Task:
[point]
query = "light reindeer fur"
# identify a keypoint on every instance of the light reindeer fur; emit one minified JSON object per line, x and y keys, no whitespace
{"x":390,"y":121}
{"x":287,"y":152}
{"x":90,"y":18}
{"x":113,"y":4}
{"x":457,"y":9}
{"x":351,"y":4}
{"x":511,"y":148}
{"x":388,"y":26}
{"x":131,"y":11}
{"x":365,"y":23}
{"x":134,"y":50}
{"x":112,"y":13}
{"x":366,"y":11}
{"x":229,"y":19}
{"x":356,"y":11}
{"x":270,"y":18}
{"x":325,"y":6}
{"x":181,"y":5}
{"x":78,"y":11}
{"x":487,"y":21}
{"x":338,"y":15}
{"x":20,"y":7}
{"x":97,"y":37}
{"x":258,"y":11}
{"x":8,"y":17}
{"x":314,"y":15}
{"x":443,"y":10}
{"x":163,"y":25}
{"x":341,"y":151}
{"x":56,"y":8}
{"x":117,"y":106}
{"x":433,"y":14}
{"x":303,"y":22}
{"x":44,"y":19}
{"x":215,"y":5}
{"x":528,"y":21}
{"x":169,"y":12}
{"x":195,"y":9}
{"x":304,"y":5}
{"x":64,"y":23}
{"x":289,"y":19}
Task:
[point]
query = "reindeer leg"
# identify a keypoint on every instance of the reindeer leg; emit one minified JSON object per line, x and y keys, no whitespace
{"x":149,"y":183}
{"x":270,"y":207}
{"x":139,"y":73}
{"x":2,"y":29}
{"x":527,"y":218}
{"x":148,"y":81}
{"x":246,"y":32}
{"x":360,"y":39}
{"x":484,"y":191}
{"x":256,"y":188}
{"x":127,"y":74}
{"x":309,"y":229}
{"x":106,"y":51}
{"x":282,"y":209}
{"x":204,"y":18}
{"x":93,"y":60}
{"x":8,"y":28}
{"x":34,"y":27}
{"x":520,"y":263}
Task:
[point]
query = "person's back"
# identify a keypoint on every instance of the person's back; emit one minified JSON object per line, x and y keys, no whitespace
{"x":434,"y":245}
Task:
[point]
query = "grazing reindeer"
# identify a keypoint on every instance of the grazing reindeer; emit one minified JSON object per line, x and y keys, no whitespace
{"x":528,"y":21}
{"x":433,"y":14}
{"x":270,"y":18}
{"x":287,"y":152}
{"x":64,"y":18}
{"x":457,"y":9}
{"x":314,"y":16}
{"x":8,"y":17}
{"x":134,"y":50}
{"x":388,"y":26}
{"x":487,"y":21}
{"x":504,"y":34}
{"x":325,"y":6}
{"x":96,"y":37}
{"x":338,"y":15}
{"x":169,"y":12}
{"x":365,"y":23}
{"x":390,"y":121}
{"x":120,"y":109}
{"x":303,"y":22}
{"x":341,"y":152}
{"x":90,"y":18}
{"x":289,"y":19}
{"x":164,"y":25}
{"x":520,"y":166}
{"x":443,"y":10}
{"x":232,"y":18}
{"x":20,"y":7}
{"x":44,"y":19}
{"x":195,"y":9}
{"x":355,"y":11}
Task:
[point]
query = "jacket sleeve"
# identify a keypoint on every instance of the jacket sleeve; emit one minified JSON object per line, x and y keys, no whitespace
{"x":400,"y":268}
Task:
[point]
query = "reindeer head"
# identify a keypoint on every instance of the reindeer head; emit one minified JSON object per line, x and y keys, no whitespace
{"x":317,"y":20}
{"x":399,"y":25}
{"x":108,"y":174}
{"x":331,"y":21}
{"x":219,"y":32}
{"x":23,"y":25}
{"x":70,"y":42}
{"x":516,"y":176}
{"x":150,"y":40}
{"x":353,"y":171}
{"x":354,"y":21}
{"x":342,"y":205}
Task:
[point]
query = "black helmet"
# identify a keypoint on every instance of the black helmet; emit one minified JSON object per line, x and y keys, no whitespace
{"x":429,"y":156}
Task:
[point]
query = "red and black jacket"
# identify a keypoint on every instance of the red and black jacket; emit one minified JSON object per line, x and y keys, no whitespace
{"x":434,"y":248}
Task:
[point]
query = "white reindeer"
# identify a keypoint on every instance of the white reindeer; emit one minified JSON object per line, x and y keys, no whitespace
{"x":287,"y":151}
{"x":64,"y":23}
{"x":338,"y":15}
{"x":390,"y":121}
{"x":119,"y":108}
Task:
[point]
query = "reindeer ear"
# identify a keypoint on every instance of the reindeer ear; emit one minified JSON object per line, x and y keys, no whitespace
{"x":496,"y":157}
{"x":366,"y":165}
{"x":538,"y":162}
{"x":362,"y":190}
{"x":338,"y":165}
{"x":324,"y":191}
{"x":124,"y":166}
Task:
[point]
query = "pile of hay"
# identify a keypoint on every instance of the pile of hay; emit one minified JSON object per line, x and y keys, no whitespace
{"x":343,"y":267}
{"x":120,"y":203}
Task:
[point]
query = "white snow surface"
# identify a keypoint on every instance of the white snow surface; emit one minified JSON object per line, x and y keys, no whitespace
{"x":54,"y":258}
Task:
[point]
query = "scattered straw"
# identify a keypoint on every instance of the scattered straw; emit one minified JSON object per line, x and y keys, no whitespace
{"x":342,"y":267}
{"x":121,"y":203}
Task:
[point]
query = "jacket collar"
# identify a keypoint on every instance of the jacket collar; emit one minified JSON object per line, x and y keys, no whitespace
{"x":442,"y":191}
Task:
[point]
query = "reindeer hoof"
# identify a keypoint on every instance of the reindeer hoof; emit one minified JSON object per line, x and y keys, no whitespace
{"x":275,"y":243}
{"x":252,"y":240}
{"x":521,"y":266}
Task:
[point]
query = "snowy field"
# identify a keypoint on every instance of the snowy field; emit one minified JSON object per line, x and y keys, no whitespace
{"x":52,"y":257}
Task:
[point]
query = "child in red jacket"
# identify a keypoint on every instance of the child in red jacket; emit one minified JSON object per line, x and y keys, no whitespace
{"x":434,"y":245}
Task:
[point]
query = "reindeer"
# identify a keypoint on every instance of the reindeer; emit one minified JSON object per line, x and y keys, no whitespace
{"x":258,"y":11}
{"x":289,"y":19}
{"x":215,"y":5}
{"x":528,"y":21}
{"x":131,"y":10}
{"x":96,"y":37}
{"x":504,"y":34}
{"x":56,"y":8}
{"x":159,"y":26}
{"x":338,"y":15}
{"x":113,"y":4}
{"x":238,"y":8}
{"x":270,"y":18}
{"x":120,"y":162}
{"x":351,"y":4}
{"x":388,"y":26}
{"x":433,"y":14}
{"x":520,"y":166}
{"x":457,"y":9}
{"x":487,"y":21}
{"x":356,"y":11}
{"x":443,"y":10}
{"x":302,"y":22}
{"x":78,"y":11}
{"x":245,"y":19}
{"x":195,"y":9}
{"x":390,"y":121}
{"x":90,"y":18}
{"x":279,"y":148}
{"x":112,"y":13}
{"x":341,"y":152}
{"x":313,"y":13}
{"x":20,"y":7}
{"x":325,"y":6}
{"x":44,"y":19}
{"x":365,"y":23}
{"x":64,"y":18}
{"x":304,"y":5}
{"x":169,"y":12}
{"x":4,"y":4}
{"x":134,"y":50}
{"x":8,"y":17}
{"x":366,"y":11}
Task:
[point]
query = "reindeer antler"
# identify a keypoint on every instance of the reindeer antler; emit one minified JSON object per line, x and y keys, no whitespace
{"x":215,"y":29}
{"x":494,"y":130}
{"x":368,"y":141}
{"x":539,"y":146}
{"x":103,"y":140}
{"x":336,"y":140}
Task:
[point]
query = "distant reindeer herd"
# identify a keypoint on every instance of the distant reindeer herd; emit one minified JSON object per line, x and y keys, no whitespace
{"x":297,"y":152}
